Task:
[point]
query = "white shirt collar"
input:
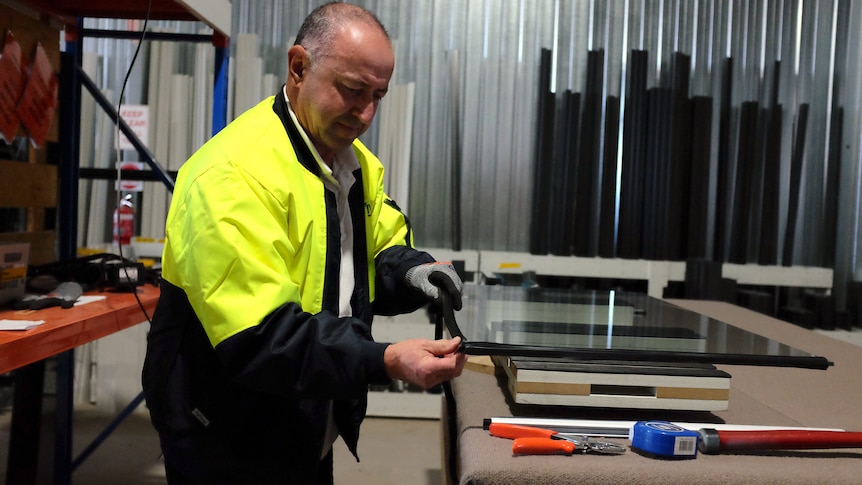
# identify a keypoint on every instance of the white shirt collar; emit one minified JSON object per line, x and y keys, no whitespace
{"x":344,"y":161}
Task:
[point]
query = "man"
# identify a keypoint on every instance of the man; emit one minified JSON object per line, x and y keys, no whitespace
{"x":281,"y":244}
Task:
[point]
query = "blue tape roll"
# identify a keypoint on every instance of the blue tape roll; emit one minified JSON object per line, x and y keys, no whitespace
{"x":665,"y":439}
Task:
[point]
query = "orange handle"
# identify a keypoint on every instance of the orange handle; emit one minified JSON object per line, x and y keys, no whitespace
{"x":513,"y":431}
{"x":542,"y":446}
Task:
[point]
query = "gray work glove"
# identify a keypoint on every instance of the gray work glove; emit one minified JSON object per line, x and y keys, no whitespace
{"x":429,"y":278}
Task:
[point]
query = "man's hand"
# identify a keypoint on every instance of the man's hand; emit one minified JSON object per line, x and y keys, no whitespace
{"x":431,"y":277}
{"x":423,"y":362}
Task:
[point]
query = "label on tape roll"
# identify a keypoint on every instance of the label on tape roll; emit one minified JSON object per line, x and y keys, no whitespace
{"x":665,"y":439}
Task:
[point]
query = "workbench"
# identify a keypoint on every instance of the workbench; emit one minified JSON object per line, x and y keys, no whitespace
{"x":25,"y":351}
{"x":771,"y":396}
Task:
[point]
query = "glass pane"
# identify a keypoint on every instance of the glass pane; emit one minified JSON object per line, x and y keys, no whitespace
{"x":609,"y":325}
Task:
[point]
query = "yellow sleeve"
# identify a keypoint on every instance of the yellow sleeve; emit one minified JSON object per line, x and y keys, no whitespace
{"x":227,"y":248}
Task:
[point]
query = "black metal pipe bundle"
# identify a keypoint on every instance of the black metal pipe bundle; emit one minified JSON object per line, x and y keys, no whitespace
{"x":796,"y":159}
{"x":697,"y":245}
{"x":544,"y":157}
{"x":746,"y":162}
{"x":722,"y":194}
{"x":608,"y":204}
{"x":563,"y":172}
{"x":586,"y":205}
{"x":570,"y":229}
{"x":662,"y":207}
{"x":679,"y":156}
{"x":634,"y":147}
{"x":833,"y":175}
{"x":656,"y":173}
{"x":771,"y":177}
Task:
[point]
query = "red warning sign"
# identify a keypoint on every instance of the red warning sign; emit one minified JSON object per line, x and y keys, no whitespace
{"x":11,"y":86}
{"x":39,"y":101}
{"x":130,"y":185}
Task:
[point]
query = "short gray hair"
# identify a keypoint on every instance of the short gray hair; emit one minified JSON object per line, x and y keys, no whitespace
{"x":318,"y":29}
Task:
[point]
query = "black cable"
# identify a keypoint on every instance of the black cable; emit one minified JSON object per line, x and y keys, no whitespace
{"x":444,"y":318}
{"x":119,"y":165}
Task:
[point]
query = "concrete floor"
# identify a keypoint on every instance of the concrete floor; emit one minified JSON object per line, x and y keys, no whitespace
{"x":393,"y":451}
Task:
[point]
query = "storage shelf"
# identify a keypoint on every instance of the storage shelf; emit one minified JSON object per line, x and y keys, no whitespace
{"x":215,"y":13}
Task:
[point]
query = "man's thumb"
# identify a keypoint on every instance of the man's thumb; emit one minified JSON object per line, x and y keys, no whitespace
{"x":448,"y":346}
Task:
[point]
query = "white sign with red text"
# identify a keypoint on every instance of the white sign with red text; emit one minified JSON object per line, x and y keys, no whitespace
{"x":137,"y":116}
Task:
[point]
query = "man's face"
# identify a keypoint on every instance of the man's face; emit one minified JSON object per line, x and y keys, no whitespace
{"x":337,"y":97}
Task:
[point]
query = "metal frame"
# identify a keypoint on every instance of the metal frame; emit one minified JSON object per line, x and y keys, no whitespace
{"x":73,"y":78}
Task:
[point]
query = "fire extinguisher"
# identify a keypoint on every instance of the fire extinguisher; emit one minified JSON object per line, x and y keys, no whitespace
{"x":124,"y":221}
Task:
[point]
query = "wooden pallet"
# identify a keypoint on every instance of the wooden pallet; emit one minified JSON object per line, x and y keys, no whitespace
{"x":618,"y":384}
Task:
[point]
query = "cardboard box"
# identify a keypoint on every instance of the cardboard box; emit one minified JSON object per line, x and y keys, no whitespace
{"x":13,"y":271}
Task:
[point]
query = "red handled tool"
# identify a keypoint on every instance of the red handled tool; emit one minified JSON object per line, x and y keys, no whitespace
{"x":540,"y":441}
{"x":714,"y":441}
{"x":542,"y":446}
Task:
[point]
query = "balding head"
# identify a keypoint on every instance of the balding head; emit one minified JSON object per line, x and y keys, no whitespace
{"x":338,"y":71}
{"x":319,"y":29}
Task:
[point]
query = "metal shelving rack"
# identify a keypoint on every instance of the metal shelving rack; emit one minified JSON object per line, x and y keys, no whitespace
{"x":215,"y":13}
{"x":70,"y":13}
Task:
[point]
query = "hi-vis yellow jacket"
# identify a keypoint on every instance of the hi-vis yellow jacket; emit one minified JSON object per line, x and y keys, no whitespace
{"x":246,"y":341}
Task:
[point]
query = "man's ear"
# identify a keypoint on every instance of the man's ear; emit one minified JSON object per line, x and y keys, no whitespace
{"x":297,"y":63}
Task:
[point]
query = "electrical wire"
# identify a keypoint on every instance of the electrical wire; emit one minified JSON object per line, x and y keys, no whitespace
{"x":119,"y":156}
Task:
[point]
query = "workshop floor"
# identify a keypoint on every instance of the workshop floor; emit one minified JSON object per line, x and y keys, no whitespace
{"x":393,"y":451}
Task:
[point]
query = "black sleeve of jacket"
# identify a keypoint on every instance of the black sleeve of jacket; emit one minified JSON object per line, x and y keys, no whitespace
{"x":393,"y":294}
{"x":317,"y":356}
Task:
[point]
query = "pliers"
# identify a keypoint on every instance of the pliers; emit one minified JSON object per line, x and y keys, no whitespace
{"x":530,"y":440}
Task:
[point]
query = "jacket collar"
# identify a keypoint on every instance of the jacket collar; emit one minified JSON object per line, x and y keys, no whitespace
{"x":303,"y":153}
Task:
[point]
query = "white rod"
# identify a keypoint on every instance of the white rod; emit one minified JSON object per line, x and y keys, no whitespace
{"x":611,"y":428}
{"x":104,"y":157}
